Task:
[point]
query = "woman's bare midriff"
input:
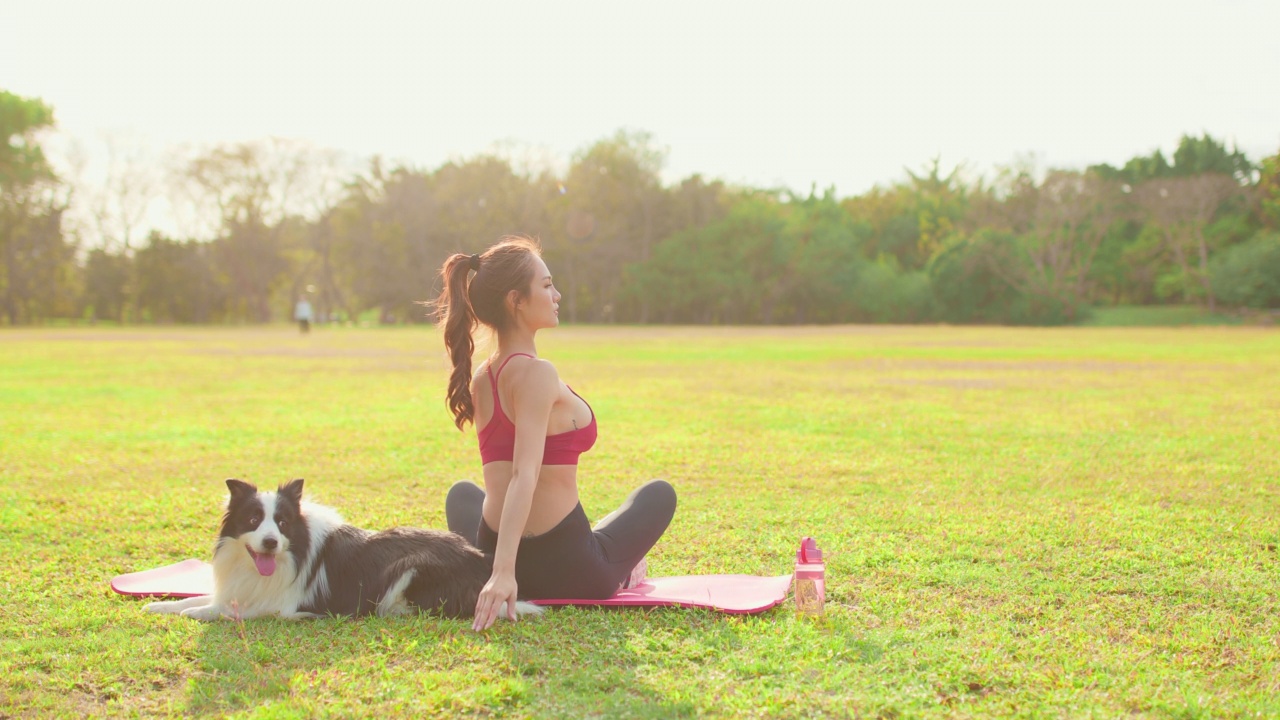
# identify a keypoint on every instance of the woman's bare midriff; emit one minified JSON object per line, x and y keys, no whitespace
{"x":553,"y":499}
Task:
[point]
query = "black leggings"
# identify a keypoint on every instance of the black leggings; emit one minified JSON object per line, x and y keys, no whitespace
{"x":572,"y":561}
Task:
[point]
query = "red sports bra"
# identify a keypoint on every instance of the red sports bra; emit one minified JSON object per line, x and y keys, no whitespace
{"x":498,"y":437}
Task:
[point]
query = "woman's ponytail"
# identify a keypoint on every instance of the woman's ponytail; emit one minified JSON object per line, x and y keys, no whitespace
{"x":459,"y":320}
{"x":468,"y":300}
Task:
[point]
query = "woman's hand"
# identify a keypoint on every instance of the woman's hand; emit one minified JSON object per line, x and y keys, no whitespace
{"x":500,"y":589}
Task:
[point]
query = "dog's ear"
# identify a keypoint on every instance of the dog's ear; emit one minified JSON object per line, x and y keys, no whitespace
{"x":292,"y":489}
{"x":240,"y":489}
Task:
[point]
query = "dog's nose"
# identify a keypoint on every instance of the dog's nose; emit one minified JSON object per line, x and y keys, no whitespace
{"x":269,"y":543}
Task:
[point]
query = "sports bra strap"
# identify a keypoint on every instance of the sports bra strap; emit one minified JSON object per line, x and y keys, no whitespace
{"x":504,"y":363}
{"x":493,"y":384}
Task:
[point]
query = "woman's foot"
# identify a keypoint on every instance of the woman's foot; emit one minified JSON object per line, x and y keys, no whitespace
{"x":638,"y":574}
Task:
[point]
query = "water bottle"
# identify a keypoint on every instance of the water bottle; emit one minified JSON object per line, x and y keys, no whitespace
{"x":811,"y":582}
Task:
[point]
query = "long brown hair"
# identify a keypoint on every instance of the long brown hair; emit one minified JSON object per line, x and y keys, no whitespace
{"x":470,"y":299}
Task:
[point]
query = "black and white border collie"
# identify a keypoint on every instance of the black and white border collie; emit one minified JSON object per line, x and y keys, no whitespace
{"x":278,"y":554}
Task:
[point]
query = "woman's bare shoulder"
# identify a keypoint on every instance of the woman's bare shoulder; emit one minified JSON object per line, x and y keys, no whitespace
{"x":480,"y":375}
{"x":524,"y":371}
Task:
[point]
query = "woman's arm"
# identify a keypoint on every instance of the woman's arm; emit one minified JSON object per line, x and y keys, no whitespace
{"x":536,"y":388}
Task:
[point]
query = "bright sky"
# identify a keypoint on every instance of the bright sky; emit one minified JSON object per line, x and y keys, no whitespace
{"x":832,"y":92}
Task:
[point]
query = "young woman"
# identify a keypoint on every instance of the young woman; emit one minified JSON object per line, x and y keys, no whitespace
{"x":531,"y":428}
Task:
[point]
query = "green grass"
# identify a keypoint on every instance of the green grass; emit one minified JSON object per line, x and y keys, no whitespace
{"x":1077,"y":522}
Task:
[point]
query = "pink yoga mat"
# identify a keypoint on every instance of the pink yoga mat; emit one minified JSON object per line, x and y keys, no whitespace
{"x":737,"y":594}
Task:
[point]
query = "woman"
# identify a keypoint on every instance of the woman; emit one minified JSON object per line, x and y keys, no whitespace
{"x":531,"y":428}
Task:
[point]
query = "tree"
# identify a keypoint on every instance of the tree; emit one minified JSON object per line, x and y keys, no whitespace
{"x":1194,"y":156}
{"x":1205,"y":155}
{"x":120,"y":205}
{"x":38,"y":260}
{"x":722,"y":272}
{"x":117,"y":208}
{"x":611,"y":216}
{"x":692,"y":205}
{"x":1182,"y":207}
{"x":767,"y":261}
{"x":696,"y":202}
{"x":107,"y":276}
{"x":246,"y":193}
{"x":394,"y":228}
{"x":1268,"y":192}
{"x":939,"y":203}
{"x":22,"y":160}
{"x":375,"y":226}
{"x":177,"y":281}
{"x":885,"y":221}
{"x":964,"y":285}
{"x":1071,"y":214}
{"x":818,"y":263}
{"x":912,"y":220}
{"x":1137,"y":170}
{"x":36,"y":256}
{"x":1248,"y":274}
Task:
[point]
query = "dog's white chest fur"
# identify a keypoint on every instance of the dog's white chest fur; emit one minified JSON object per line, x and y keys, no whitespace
{"x":240,"y":590}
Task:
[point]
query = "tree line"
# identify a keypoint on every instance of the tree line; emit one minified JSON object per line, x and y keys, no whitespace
{"x":1200,"y":226}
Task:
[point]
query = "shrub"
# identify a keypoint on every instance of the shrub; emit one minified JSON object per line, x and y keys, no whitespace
{"x":1248,"y":274}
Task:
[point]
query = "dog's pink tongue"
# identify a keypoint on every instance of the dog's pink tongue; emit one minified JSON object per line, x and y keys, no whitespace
{"x":266,"y":563}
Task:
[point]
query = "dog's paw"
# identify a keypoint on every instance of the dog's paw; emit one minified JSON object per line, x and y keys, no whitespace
{"x":203,"y":613}
{"x":300,"y":616}
{"x":522,"y":608}
{"x":163,"y":607}
{"x":175,"y":607}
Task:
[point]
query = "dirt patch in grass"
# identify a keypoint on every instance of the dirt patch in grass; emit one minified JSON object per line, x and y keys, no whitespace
{"x":1001,"y":365}
{"x":309,"y":351}
{"x":153,"y":334}
{"x":731,"y":331}
{"x":962,"y":383}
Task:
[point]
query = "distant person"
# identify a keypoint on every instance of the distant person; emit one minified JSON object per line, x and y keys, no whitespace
{"x":531,"y":428}
{"x":302,"y":313}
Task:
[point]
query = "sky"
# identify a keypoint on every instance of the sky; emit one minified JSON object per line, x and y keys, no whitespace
{"x":842,"y":94}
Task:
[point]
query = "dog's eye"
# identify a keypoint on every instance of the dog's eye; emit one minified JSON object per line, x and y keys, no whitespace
{"x":253,"y":521}
{"x":280,"y":521}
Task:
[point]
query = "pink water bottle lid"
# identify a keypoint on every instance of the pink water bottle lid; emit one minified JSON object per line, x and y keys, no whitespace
{"x":808,"y":552}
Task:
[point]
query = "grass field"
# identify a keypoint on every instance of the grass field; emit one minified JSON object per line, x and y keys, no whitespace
{"x":1075,"y":522}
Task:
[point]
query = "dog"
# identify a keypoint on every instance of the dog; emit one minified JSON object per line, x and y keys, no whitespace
{"x":278,"y":554}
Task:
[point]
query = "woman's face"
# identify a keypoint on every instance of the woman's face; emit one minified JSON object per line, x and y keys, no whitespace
{"x":541,"y":309}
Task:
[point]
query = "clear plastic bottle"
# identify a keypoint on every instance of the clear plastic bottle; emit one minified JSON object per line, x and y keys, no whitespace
{"x":811,"y":581}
